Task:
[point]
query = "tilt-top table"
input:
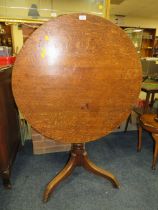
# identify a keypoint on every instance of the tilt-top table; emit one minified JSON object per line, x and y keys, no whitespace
{"x":75,"y":80}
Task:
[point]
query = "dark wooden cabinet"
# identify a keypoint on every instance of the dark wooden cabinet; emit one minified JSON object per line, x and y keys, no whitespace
{"x":9,"y":126}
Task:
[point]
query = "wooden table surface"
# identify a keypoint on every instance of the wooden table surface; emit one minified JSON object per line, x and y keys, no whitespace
{"x":77,"y":78}
{"x":148,"y":120}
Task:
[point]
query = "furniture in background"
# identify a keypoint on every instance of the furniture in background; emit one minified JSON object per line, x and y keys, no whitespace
{"x":150,"y":88}
{"x":136,"y":36}
{"x":155,"y":51}
{"x":5,"y":40}
{"x":5,"y":35}
{"x":148,"y":122}
{"x":150,"y":69}
{"x":9,"y":126}
{"x":147,"y":41}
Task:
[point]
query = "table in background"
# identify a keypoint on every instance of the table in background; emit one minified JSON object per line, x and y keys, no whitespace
{"x":150,"y":88}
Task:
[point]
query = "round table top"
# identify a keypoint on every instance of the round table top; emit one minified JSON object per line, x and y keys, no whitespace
{"x":76,"y":78}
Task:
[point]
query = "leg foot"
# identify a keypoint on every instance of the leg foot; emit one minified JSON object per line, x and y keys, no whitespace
{"x":7,"y":184}
{"x":78,"y":158}
{"x":6,"y":179}
{"x":65,"y":172}
{"x":90,"y":166}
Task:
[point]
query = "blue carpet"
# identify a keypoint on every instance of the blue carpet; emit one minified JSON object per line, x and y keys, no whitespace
{"x":83,"y":190}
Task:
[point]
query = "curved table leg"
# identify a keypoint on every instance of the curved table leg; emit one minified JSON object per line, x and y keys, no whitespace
{"x":78,"y":158}
{"x":65,"y":172}
{"x":90,"y":166}
{"x":127,"y":122}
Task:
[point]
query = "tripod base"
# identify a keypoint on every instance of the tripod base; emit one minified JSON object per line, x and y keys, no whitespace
{"x":78,"y":157}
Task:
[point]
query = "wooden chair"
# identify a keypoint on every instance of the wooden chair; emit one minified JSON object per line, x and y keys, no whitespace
{"x":148,"y":122}
{"x":140,"y":110}
{"x":145,"y":106}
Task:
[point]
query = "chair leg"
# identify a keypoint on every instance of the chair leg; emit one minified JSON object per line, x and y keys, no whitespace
{"x":155,"y":155}
{"x":139,"y":145}
{"x":6,"y":179}
{"x":152,"y":99}
{"x":127,"y":122}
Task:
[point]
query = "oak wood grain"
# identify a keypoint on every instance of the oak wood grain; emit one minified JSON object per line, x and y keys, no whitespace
{"x":76,"y":80}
